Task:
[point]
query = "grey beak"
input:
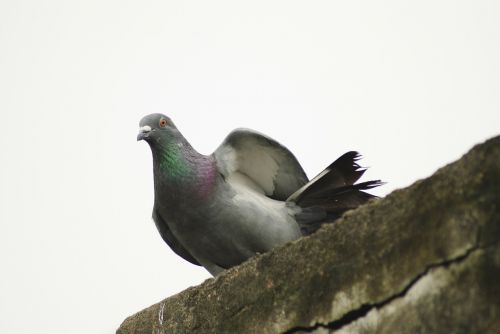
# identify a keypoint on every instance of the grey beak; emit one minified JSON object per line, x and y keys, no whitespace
{"x":143,"y":132}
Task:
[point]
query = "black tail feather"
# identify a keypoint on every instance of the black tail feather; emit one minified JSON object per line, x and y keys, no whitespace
{"x":335,"y":194}
{"x":342,"y":172}
{"x":332,"y":192}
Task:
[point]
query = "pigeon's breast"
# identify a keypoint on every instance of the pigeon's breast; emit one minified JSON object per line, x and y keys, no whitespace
{"x":235,"y":224}
{"x":231,"y":225}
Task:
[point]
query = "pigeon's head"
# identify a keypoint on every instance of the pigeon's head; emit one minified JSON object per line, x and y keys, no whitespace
{"x":156,"y":127}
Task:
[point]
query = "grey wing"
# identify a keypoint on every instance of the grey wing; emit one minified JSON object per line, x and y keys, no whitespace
{"x":170,"y":239}
{"x":271,"y":167}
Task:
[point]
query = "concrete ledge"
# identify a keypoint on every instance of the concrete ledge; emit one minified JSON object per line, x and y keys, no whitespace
{"x":423,"y":259}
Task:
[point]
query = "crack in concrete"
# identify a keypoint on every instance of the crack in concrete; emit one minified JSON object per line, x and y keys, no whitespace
{"x":363,"y":310}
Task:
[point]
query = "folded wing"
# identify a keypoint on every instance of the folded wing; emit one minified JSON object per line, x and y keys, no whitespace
{"x":170,"y":239}
{"x":261,"y":163}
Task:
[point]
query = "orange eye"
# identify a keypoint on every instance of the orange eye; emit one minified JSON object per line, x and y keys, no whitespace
{"x":163,"y":122}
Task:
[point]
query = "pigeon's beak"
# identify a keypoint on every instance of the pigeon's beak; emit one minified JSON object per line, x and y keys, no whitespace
{"x":143,"y":132}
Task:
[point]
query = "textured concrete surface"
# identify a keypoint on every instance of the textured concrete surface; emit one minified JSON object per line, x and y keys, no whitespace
{"x":423,"y":259}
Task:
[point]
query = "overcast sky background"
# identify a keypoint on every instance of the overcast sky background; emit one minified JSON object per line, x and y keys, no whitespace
{"x":412,"y":85}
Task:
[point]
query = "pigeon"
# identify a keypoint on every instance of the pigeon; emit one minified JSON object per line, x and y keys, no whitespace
{"x":246,"y":198}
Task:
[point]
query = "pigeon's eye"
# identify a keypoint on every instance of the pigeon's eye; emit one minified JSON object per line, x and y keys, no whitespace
{"x":163,"y":122}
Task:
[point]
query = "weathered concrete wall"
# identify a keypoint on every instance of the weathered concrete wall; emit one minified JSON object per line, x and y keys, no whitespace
{"x":423,"y":259}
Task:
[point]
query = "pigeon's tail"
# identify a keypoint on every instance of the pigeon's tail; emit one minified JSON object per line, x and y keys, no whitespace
{"x":332,"y":192}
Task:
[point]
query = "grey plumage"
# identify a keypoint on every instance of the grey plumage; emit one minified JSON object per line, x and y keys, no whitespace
{"x":249,"y":196}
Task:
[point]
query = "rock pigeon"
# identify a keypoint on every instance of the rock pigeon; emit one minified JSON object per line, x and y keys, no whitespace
{"x":248,"y":197}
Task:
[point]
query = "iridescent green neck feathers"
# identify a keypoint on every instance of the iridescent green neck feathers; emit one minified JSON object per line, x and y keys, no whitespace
{"x":172,"y":161}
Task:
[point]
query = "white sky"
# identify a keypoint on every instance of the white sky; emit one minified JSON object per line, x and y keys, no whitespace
{"x":412,"y":85}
